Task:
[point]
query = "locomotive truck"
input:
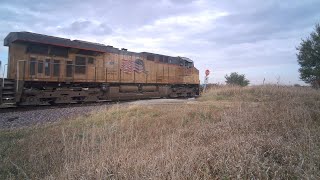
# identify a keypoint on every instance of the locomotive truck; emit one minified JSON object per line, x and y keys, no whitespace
{"x":45,"y":70}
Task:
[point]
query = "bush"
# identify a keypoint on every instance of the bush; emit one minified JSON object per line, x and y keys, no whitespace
{"x":237,"y":79}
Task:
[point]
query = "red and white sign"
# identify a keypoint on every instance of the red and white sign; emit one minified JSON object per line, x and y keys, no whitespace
{"x":207,"y":72}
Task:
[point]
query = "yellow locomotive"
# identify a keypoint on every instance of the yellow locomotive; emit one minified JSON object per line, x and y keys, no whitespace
{"x":51,"y":70}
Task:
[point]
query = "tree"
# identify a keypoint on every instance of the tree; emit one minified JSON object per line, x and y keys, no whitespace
{"x":237,"y":79}
{"x":309,"y":58}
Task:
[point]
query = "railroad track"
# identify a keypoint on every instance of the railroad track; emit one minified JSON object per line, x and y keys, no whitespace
{"x":36,"y":115}
{"x":58,"y":106}
{"x":31,"y":115}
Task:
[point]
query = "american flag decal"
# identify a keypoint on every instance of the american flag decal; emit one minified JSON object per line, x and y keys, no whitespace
{"x":139,"y":66}
{"x":129,"y":66}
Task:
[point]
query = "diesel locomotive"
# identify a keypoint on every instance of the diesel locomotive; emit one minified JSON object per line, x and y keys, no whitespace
{"x":44,"y":70}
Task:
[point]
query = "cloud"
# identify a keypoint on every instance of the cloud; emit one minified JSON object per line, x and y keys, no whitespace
{"x":86,"y":27}
{"x":248,"y":36}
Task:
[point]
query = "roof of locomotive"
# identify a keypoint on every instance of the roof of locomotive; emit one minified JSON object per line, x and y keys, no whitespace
{"x":57,"y":41}
{"x":64,"y":42}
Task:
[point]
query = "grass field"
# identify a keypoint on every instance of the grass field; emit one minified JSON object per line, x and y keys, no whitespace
{"x":230,"y":132}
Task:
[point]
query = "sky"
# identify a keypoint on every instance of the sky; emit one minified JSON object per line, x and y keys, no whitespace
{"x":252,"y":37}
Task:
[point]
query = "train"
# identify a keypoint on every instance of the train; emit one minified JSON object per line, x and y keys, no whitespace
{"x":46,"y":70}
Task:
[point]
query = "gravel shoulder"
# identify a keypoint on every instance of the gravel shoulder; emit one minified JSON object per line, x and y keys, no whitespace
{"x":40,"y":116}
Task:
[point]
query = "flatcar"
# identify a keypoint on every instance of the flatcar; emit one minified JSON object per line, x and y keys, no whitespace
{"x":45,"y":70}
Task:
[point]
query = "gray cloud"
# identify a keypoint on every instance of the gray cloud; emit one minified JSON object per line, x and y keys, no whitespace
{"x":274,"y":21}
{"x":86,"y":27}
{"x":249,"y":36}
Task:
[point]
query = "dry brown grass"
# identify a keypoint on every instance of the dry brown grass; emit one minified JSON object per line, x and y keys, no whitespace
{"x":254,"y":132}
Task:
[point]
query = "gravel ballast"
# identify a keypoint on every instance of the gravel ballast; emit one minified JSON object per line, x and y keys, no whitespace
{"x":17,"y":118}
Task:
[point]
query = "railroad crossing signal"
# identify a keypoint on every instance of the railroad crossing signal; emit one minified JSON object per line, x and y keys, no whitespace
{"x":206,"y":79}
{"x":207,"y":72}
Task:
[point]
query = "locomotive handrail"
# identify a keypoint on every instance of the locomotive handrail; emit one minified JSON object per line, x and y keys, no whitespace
{"x":97,"y":73}
{"x":17,"y":86}
{"x":4,"y":70}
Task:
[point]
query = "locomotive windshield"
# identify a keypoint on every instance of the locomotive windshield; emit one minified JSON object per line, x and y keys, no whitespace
{"x":187,"y":62}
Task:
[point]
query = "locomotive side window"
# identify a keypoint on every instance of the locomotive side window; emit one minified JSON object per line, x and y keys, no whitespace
{"x":150,"y":57}
{"x":38,"y":49}
{"x":181,"y":62}
{"x":86,"y":53}
{"x":90,"y":60}
{"x":173,"y":60}
{"x":56,"y":67}
{"x":165,"y":59}
{"x":33,"y":66}
{"x":40,"y":66}
{"x":47,"y":67}
{"x":59,"y":51}
{"x":160,"y":58}
{"x":189,"y":64}
{"x":80,"y":65}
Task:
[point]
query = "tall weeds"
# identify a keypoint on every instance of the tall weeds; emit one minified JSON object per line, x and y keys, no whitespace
{"x":231,"y":132}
